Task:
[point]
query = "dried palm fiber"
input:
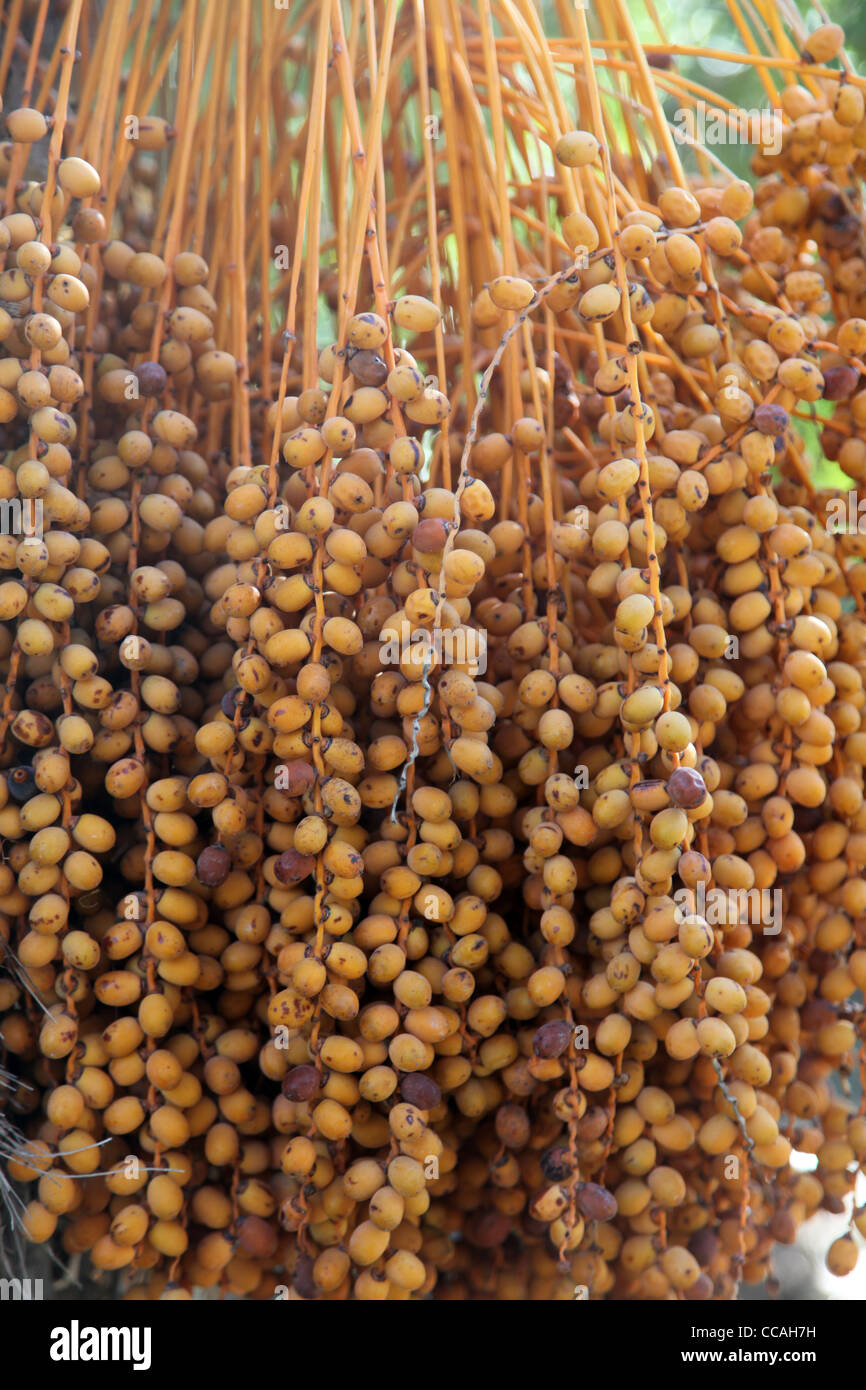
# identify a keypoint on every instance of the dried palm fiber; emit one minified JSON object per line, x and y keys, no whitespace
{"x":362,"y":944}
